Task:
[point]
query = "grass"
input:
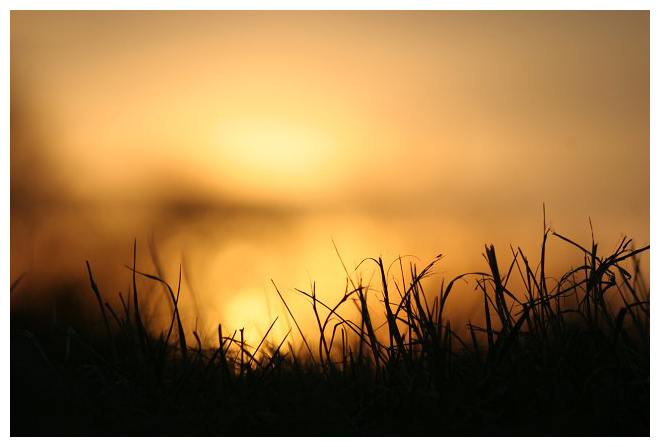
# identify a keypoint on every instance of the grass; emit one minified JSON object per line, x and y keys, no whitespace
{"x":566,"y":356}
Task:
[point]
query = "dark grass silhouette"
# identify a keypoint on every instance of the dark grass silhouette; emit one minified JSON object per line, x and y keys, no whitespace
{"x":567,"y":356}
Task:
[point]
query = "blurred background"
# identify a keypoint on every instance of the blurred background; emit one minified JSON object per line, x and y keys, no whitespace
{"x":240,"y":145}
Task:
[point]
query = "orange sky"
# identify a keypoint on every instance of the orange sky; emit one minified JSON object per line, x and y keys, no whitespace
{"x":466,"y":121}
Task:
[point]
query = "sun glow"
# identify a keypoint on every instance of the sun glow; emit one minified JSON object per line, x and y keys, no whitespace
{"x":248,"y":310}
{"x":273,"y":146}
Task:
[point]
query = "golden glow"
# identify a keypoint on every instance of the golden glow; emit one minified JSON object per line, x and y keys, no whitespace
{"x":249,"y":307}
{"x":246,"y":142}
{"x":273,"y":147}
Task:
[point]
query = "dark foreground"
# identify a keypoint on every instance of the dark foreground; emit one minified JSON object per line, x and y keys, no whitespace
{"x":567,"y":357}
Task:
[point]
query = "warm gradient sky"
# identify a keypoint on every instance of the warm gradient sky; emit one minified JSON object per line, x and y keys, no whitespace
{"x":399,"y":132}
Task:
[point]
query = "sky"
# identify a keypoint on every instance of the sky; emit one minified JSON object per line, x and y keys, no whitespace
{"x":247,"y":142}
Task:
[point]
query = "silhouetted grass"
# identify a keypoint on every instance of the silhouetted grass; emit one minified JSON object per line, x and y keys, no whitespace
{"x":568,"y":356}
